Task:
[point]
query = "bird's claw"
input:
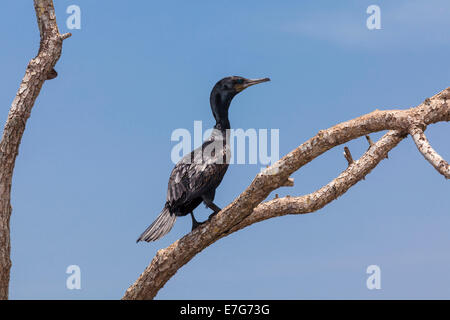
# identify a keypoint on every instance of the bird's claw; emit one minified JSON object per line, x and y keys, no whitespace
{"x":196,"y":224}
{"x":212,"y":215}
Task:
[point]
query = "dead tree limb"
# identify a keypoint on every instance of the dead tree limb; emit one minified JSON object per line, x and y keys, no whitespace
{"x":369,"y":140}
{"x":429,"y":153}
{"x":248,"y":208}
{"x":348,"y":155}
{"x":355,"y":172}
{"x":39,"y":69}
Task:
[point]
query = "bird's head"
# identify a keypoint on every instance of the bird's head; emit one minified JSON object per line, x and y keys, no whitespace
{"x":225,"y":90}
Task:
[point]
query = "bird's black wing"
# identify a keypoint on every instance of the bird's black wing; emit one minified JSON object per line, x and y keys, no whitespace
{"x":196,"y":174}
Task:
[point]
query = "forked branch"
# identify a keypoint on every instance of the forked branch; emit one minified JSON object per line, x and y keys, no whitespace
{"x":248,"y":208}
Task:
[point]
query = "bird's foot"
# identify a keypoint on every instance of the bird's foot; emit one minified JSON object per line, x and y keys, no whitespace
{"x":196,"y":224}
{"x":212,"y":215}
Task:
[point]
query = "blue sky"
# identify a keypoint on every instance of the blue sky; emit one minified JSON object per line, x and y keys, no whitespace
{"x":95,"y":158}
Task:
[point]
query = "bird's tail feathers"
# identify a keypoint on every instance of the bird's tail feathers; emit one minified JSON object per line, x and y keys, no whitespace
{"x":160,"y":227}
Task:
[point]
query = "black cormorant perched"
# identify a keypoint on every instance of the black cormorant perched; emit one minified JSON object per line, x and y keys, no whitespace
{"x":197,"y":175}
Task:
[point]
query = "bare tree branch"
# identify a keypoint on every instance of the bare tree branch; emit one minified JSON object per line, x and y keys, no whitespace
{"x":369,"y":140}
{"x":247,"y":209}
{"x":428,"y":152}
{"x":348,"y":155}
{"x":39,"y":69}
{"x":356,"y":171}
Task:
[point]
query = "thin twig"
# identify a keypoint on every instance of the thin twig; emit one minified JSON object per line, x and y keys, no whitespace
{"x":348,"y":155}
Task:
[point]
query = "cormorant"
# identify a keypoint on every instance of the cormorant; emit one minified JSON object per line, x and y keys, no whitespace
{"x":196,"y":176}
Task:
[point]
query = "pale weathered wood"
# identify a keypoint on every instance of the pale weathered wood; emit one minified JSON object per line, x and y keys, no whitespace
{"x":39,"y":69}
{"x":429,"y":153}
{"x":247,"y":208}
{"x":355,"y":172}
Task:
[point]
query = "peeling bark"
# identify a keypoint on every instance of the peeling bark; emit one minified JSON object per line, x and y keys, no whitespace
{"x":39,"y":69}
{"x":247,"y":208}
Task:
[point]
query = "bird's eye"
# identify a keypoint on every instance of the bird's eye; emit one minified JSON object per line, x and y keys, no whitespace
{"x":240,"y":81}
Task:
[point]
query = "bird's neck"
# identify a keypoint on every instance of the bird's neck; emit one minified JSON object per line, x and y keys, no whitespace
{"x":219,"y":107}
{"x":222,"y":124}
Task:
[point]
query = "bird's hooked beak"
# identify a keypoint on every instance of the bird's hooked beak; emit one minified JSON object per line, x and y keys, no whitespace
{"x":250,"y":82}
